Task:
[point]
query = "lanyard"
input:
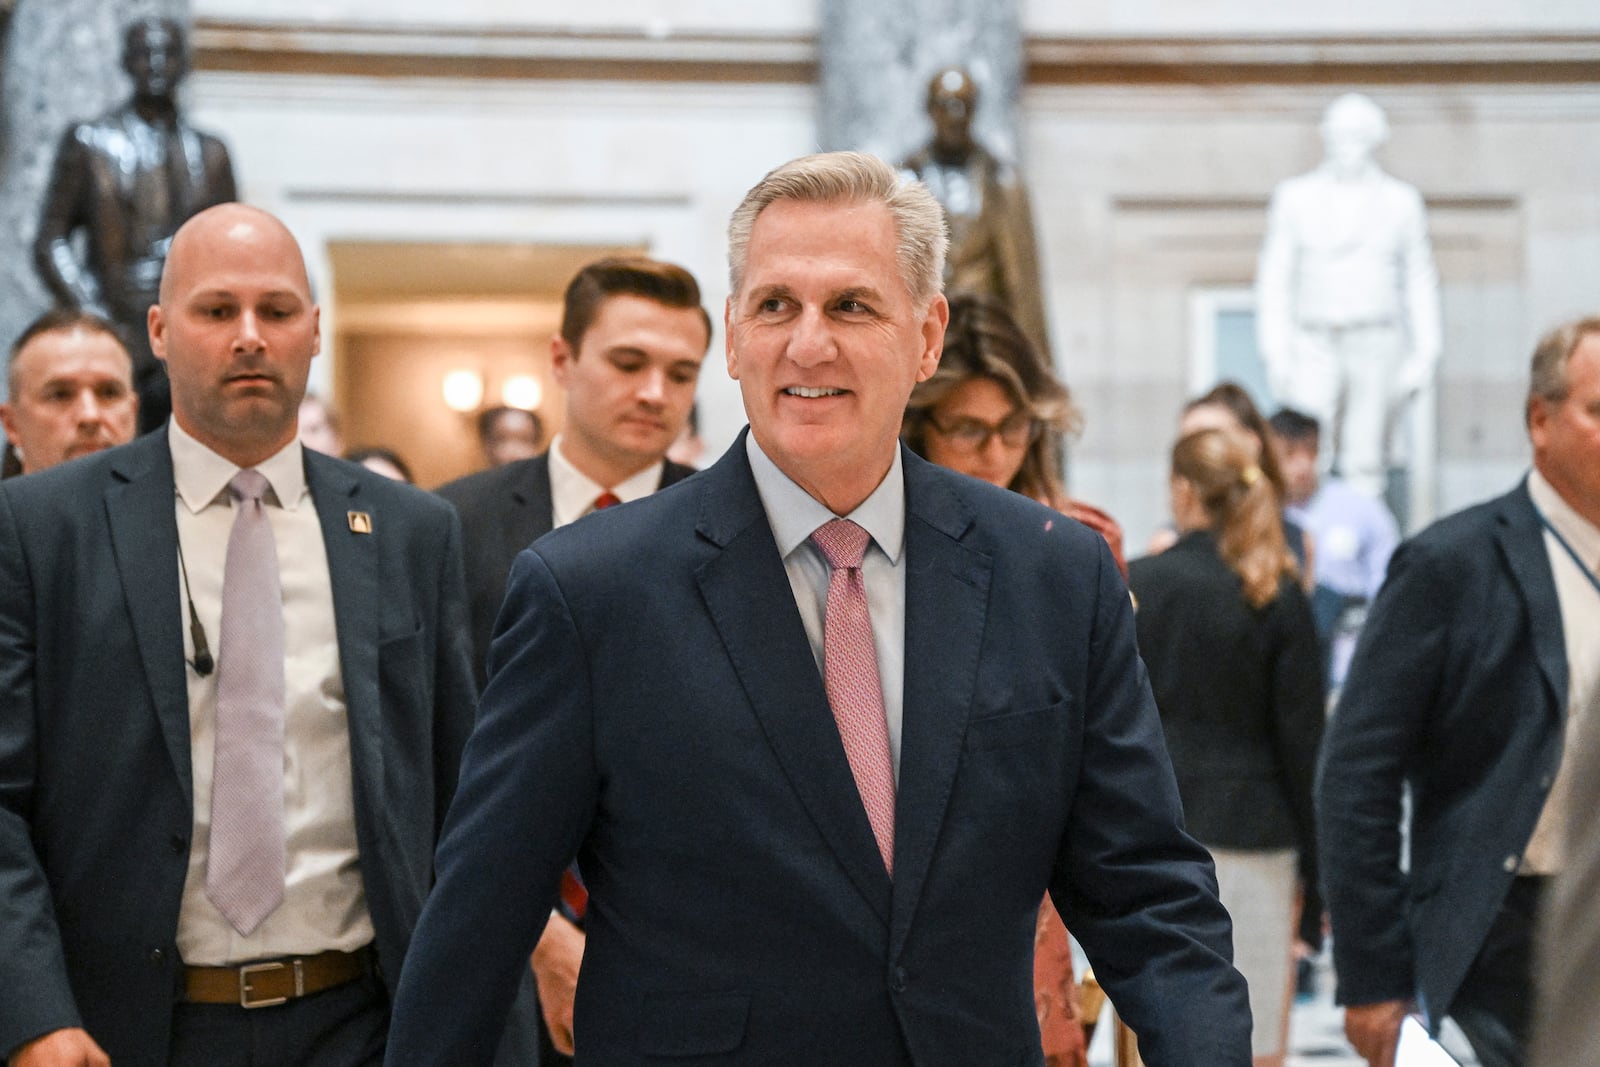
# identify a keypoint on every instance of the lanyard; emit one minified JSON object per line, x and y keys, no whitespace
{"x":1564,"y":543}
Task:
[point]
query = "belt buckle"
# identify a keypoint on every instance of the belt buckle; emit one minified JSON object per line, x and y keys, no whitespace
{"x":246,"y":991}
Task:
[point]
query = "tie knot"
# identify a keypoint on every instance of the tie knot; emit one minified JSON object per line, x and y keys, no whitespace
{"x":249,"y":485}
{"x":605,"y":500}
{"x":842,"y":542}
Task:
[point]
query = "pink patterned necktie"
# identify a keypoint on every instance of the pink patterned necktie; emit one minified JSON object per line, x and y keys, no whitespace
{"x":247,"y":857}
{"x":850,"y":673}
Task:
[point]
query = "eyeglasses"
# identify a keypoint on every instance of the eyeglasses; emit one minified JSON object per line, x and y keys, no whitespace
{"x":973,"y":435}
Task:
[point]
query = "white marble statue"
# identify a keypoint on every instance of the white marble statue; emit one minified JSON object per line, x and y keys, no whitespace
{"x":1347,"y":298}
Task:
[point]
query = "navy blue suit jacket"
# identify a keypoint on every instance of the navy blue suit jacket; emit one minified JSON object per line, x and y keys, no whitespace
{"x":654,"y":707}
{"x":96,"y":801}
{"x":1458,"y":687}
{"x":504,"y":510}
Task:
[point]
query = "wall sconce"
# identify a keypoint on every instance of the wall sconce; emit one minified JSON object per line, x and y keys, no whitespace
{"x":521,"y":391}
{"x":463,"y":390}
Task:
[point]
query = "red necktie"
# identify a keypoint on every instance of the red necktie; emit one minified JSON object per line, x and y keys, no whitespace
{"x":850,"y":674}
{"x":605,"y":500}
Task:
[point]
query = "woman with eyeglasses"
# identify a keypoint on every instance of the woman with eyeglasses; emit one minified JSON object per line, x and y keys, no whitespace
{"x":995,"y":411}
{"x":1225,"y":631}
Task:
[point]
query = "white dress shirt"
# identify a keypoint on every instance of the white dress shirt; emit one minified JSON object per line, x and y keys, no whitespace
{"x":1580,"y":626}
{"x":573,"y":493}
{"x":324,"y":902}
{"x":794,"y":516}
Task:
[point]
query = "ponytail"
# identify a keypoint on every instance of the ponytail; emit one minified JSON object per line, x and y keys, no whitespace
{"x":1242,"y":508}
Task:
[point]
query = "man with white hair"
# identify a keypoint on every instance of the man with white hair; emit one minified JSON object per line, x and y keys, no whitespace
{"x":1347,"y":298}
{"x":822,"y":724}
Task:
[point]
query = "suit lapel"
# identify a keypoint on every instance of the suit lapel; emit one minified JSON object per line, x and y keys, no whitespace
{"x":751,"y":604}
{"x":353,"y":575}
{"x":947,"y":593}
{"x":1521,"y":538}
{"x":141,"y":513}
{"x":533,"y":515}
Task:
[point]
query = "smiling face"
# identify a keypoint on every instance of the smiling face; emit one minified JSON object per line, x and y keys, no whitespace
{"x":237,"y":329}
{"x":826,"y":343}
{"x":630,"y":384}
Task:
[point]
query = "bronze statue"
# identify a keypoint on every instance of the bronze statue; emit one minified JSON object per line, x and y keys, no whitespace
{"x":122,"y":185}
{"x":992,"y":250}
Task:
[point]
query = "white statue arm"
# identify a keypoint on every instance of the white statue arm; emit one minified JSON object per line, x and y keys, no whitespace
{"x":1274,"y":285}
{"x":1421,"y":281}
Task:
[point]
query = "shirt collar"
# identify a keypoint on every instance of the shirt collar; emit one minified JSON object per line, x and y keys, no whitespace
{"x":1581,"y":534}
{"x":201,"y":475}
{"x":574,"y":492}
{"x":795,"y":514}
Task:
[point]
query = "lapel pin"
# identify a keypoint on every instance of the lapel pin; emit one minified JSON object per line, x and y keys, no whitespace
{"x":360,"y":522}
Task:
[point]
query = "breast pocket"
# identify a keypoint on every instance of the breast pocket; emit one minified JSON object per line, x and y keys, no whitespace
{"x":1014,"y":729}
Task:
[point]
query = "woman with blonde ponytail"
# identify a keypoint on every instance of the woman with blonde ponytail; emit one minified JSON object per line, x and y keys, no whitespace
{"x":1226,"y":633}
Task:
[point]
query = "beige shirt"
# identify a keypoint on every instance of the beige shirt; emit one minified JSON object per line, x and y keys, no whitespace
{"x":572,"y":492}
{"x":324,"y":904}
{"x":1580,"y":626}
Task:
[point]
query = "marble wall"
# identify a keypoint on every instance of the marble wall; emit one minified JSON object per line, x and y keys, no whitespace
{"x":1150,"y":156}
{"x":63,"y":62}
{"x":877,"y":59}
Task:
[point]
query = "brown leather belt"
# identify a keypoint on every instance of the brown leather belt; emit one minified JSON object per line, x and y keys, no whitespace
{"x":270,"y":982}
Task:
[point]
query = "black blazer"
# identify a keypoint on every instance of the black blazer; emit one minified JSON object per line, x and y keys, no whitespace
{"x":96,"y":803}
{"x":1458,"y":688}
{"x":1242,"y":702}
{"x":504,"y":510}
{"x":655,"y":708}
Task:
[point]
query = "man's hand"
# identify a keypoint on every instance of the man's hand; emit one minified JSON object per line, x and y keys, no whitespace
{"x":60,"y":1048}
{"x":1374,"y":1029}
{"x":556,"y":959}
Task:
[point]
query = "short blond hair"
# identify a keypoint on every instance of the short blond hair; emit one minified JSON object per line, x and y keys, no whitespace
{"x":853,"y":177}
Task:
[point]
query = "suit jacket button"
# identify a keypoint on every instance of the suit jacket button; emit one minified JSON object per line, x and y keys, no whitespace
{"x":177,"y":844}
{"x":897,"y":981}
{"x":1510,"y":864}
{"x":157,"y":956}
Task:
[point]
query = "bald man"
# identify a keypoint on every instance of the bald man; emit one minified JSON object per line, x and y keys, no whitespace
{"x":70,"y":386}
{"x":234,"y":687}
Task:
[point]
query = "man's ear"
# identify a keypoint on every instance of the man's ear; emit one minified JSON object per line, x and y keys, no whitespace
{"x":561,"y":359}
{"x":157,"y":327}
{"x":933,"y":324}
{"x":727,"y":339}
{"x":8,"y":419}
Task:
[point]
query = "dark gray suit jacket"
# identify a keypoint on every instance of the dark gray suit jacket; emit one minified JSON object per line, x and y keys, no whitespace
{"x":504,"y":510}
{"x":1242,"y":702}
{"x":96,"y":802}
{"x":1458,"y":688}
{"x":655,"y":708}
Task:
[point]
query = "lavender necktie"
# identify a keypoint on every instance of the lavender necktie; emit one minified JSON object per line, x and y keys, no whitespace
{"x":850,"y":675}
{"x":247,"y":857}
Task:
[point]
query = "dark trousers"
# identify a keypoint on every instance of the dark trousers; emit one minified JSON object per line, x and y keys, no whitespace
{"x":1495,"y":1002}
{"x":341,"y":1027}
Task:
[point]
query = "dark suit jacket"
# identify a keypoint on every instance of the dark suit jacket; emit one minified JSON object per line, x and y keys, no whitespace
{"x":503,"y":511}
{"x":1458,"y":687}
{"x":654,"y":706}
{"x":96,"y":803}
{"x":1241,"y":698}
